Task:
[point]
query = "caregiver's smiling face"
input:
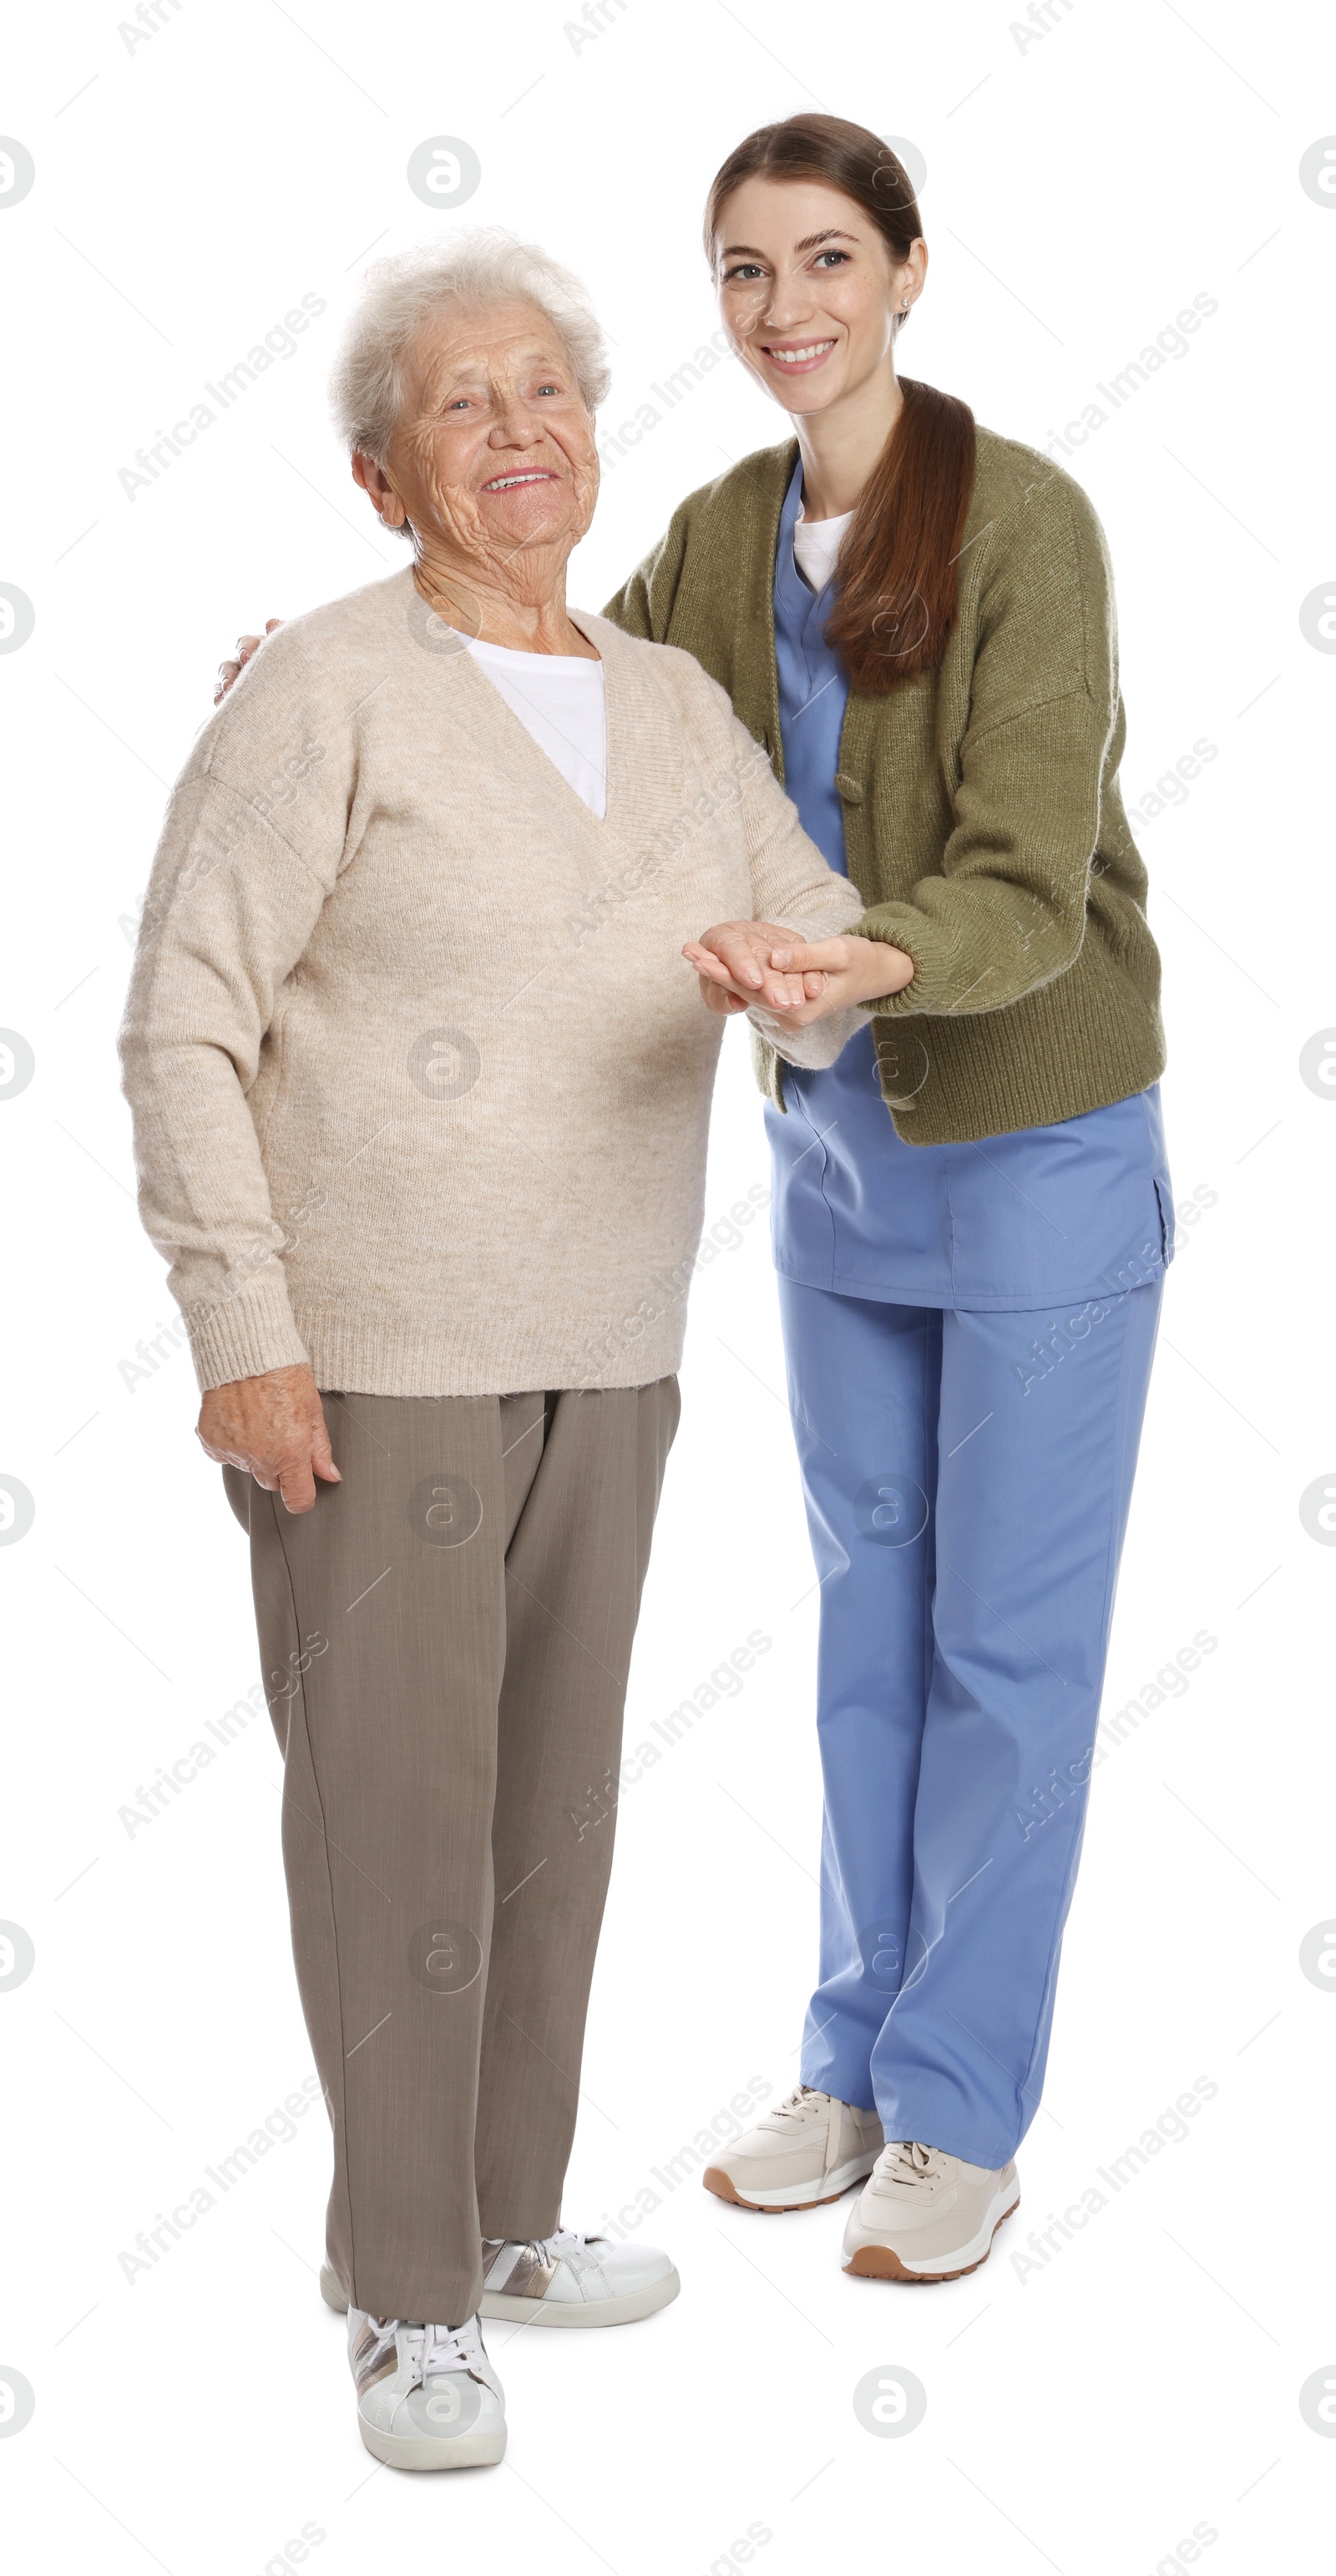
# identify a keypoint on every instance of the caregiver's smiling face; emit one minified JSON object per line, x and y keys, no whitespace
{"x":493,"y":450}
{"x":808,"y":289}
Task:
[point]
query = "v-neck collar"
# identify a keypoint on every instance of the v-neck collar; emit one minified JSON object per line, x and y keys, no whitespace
{"x":803,"y":609}
{"x":523,"y":746}
{"x":786,"y":562}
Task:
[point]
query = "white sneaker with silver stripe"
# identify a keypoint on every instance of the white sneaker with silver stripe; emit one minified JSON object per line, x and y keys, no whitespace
{"x":569,"y":2279}
{"x":427,"y":2396}
{"x":574,"y":2280}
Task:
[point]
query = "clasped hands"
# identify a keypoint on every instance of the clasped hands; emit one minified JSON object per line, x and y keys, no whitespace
{"x":745,"y":965}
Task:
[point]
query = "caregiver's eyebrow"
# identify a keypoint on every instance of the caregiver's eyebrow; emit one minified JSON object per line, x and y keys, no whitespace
{"x":811,"y":241}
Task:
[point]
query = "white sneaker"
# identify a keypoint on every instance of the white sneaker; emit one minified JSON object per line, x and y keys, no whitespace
{"x":564,"y":2280}
{"x":574,"y":2280}
{"x":806,"y":2151}
{"x":927,"y":2216}
{"x":427,"y":2396}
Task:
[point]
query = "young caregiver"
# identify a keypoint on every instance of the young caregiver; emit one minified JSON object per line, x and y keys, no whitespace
{"x":971,"y":1206}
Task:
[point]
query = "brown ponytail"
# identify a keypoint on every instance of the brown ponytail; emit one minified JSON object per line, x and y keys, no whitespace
{"x":897,"y":593}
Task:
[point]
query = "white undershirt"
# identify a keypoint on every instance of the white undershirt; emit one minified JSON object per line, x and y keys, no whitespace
{"x":558,"y":698}
{"x":816,"y":543}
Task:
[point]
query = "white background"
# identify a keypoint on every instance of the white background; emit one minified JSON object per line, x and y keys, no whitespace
{"x":1081,"y":189}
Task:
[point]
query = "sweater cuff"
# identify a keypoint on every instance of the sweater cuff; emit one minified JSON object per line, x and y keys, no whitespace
{"x":935,"y":984}
{"x":813,"y":1049}
{"x":245,"y":1331}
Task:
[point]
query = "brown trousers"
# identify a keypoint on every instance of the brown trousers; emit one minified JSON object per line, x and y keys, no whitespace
{"x":445,"y":1642}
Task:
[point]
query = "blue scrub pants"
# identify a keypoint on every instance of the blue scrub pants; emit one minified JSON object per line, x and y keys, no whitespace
{"x":967,"y":1479}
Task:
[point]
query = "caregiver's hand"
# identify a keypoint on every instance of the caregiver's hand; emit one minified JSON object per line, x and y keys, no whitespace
{"x":855,"y":970}
{"x":246,"y":646}
{"x":739,"y":959}
{"x":274,"y":1427}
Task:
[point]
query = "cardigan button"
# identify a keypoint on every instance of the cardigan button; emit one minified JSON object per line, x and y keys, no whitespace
{"x":847,"y":789}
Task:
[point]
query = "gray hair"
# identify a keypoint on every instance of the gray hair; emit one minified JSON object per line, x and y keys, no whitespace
{"x":474,"y":270}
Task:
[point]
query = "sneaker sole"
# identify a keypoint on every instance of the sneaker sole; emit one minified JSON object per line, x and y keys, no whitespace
{"x":882,"y":2263}
{"x":414,"y":2451}
{"x":623,"y":2311}
{"x":812,"y":2196}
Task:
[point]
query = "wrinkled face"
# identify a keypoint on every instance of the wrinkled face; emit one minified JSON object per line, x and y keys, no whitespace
{"x":808,"y":289}
{"x":494,"y":451}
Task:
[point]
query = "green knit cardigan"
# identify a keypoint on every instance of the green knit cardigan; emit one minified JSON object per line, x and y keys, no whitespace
{"x":984,"y":826}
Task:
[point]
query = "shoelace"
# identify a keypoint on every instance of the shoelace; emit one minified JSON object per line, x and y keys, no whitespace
{"x":802,"y":2099}
{"x":905,"y":2161}
{"x":431,"y":2348}
{"x":550,"y":2249}
{"x":447,"y":2348}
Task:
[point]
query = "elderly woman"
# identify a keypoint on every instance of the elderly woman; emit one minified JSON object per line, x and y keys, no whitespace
{"x":432,"y":1202}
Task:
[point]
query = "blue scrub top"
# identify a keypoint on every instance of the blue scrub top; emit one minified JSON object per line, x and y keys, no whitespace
{"x":1031,"y":1219}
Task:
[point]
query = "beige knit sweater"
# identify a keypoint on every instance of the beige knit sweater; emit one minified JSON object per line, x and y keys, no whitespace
{"x":420,"y":1080}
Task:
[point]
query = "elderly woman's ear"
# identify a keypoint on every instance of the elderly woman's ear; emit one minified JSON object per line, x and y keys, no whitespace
{"x":378,"y":489}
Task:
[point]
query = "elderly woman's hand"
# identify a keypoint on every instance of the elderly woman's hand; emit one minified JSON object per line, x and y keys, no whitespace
{"x":246,"y":646}
{"x":739,"y":959}
{"x":274,"y":1427}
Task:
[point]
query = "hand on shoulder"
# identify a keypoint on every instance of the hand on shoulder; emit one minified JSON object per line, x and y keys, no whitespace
{"x":247,"y":647}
